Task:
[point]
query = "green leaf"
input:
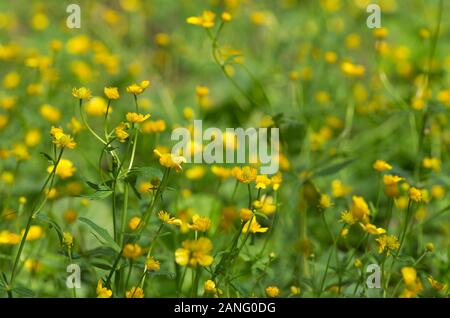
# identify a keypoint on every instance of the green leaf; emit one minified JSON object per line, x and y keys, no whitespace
{"x":261,"y":215}
{"x":98,"y":195}
{"x":101,"y":233}
{"x":50,"y":159}
{"x":332,"y":169}
{"x":101,"y":265}
{"x":93,"y":185}
{"x":23,"y":291}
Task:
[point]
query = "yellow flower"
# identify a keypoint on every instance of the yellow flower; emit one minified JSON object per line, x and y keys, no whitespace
{"x":9,"y":238}
{"x":33,"y":265}
{"x":152,"y":265}
{"x":74,"y":125}
{"x":436,"y":285}
{"x":96,"y":106}
{"x":200,"y":223}
{"x":432,"y":163}
{"x":70,"y":216}
{"x":438,"y":191}
{"x":39,"y":21}
{"x":265,"y":205}
{"x":121,"y":133}
{"x":254,"y":227}
{"x":195,"y":173}
{"x":415,"y":194}
{"x":344,"y":232}
{"x":195,"y":253}
{"x":244,"y":175}
{"x":206,"y":20}
{"x":226,"y":17}
{"x":272,"y":291}
{"x":135,"y":292}
{"x":387,"y":243}
{"x":64,"y":170}
{"x":62,"y":140}
{"x":295,"y":290}
{"x":166,"y":218}
{"x":111,"y":92}
{"x":360,"y":209}
{"x":156,"y":126}
{"x":262,"y":181}
{"x":390,"y":181}
{"x":162,"y":39}
{"x":103,"y":292}
{"x":169,"y":160}
{"x":352,"y":70}
{"x":372,"y":229}
{"x":11,"y":80}
{"x":7,"y":177}
{"x":325,"y":201}
{"x":188,"y":113}
{"x":339,"y":190}
{"x":137,"y":118}
{"x":79,"y":44}
{"x":210,"y":286}
{"x":412,"y":282}
{"x":68,"y":239}
{"x":132,"y":251}
{"x":32,"y":137}
{"x":35,"y":233}
{"x":381,"y":165}
{"x":429,"y":247}
{"x":246,"y":214}
{"x":137,"y":89}
{"x":81,"y":93}
{"x":358,"y":263}
{"x":134,"y":223}
{"x":20,"y":151}
{"x":276,"y":179}
{"x":221,"y":172}
{"x":50,"y":113}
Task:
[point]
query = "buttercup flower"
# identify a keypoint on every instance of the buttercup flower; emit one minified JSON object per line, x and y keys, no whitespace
{"x":372,"y":229}
{"x":135,"y":292}
{"x":132,"y":251}
{"x":200,"y":223}
{"x":35,"y":233}
{"x":81,"y":93}
{"x":206,"y":20}
{"x":415,"y":194}
{"x":62,"y":140}
{"x":254,"y":227}
{"x":381,"y":165}
{"x":134,"y":223}
{"x":166,"y":218}
{"x":195,"y":253}
{"x":136,"y":89}
{"x":152,"y":265}
{"x":262,"y":181}
{"x":137,"y":118}
{"x":360,"y":209}
{"x":272,"y":291}
{"x":103,"y":292}
{"x":121,"y":133}
{"x":245,"y":175}
{"x":64,"y":169}
{"x":387,"y":244}
{"x":169,"y":160}
{"x":111,"y":92}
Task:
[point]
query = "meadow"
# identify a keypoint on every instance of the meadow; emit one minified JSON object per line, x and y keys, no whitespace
{"x":94,"y":203}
